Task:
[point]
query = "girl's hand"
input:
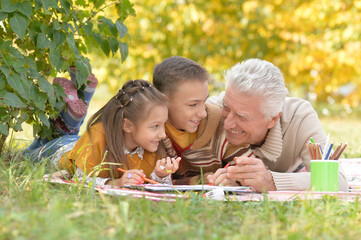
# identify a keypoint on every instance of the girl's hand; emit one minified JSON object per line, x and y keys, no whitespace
{"x":130,"y":177}
{"x":166,"y":166}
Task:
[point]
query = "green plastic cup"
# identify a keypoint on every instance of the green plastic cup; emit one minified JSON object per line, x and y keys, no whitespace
{"x":324,"y":175}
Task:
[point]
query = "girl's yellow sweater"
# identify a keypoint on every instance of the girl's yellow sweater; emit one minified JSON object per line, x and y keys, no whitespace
{"x":88,"y":153}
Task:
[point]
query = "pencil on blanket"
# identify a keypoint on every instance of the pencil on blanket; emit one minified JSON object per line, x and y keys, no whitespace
{"x":144,"y":178}
{"x":227,"y":165}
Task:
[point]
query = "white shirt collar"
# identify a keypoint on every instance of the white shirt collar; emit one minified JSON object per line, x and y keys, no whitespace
{"x":139,"y":151}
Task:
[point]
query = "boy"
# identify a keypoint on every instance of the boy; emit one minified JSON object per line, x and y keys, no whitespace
{"x":194,"y":128}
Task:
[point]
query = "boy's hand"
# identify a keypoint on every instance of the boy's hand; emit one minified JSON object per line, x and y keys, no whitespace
{"x":166,"y":166}
{"x":130,"y":177}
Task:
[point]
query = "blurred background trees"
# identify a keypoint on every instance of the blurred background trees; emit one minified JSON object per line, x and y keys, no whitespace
{"x":315,"y":43}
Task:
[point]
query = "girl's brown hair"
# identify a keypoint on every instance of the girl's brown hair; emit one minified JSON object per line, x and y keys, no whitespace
{"x":133,"y":101}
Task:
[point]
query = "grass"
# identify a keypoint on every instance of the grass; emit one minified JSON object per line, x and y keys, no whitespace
{"x":32,"y":209}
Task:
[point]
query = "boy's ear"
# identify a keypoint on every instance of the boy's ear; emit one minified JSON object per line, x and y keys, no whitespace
{"x":128,"y":126}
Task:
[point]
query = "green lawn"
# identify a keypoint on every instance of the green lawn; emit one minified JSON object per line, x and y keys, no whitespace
{"x":32,"y":209}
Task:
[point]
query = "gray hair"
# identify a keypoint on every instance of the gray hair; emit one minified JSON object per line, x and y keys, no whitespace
{"x":259,"y":78}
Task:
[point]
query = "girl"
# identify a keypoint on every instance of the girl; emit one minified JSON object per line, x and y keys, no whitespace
{"x":125,"y":133}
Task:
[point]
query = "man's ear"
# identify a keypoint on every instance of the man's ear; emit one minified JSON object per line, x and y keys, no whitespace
{"x":128,"y":126}
{"x":273,"y":121}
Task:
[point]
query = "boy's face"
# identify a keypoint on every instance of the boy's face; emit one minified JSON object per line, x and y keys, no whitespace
{"x":186,"y":105}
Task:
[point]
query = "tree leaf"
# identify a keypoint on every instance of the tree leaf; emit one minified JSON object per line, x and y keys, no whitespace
{"x":2,"y":81}
{"x":122,"y":29}
{"x":59,"y":37}
{"x":123,"y":48}
{"x":8,"y":6}
{"x":71,"y":43}
{"x":17,"y":126}
{"x":55,"y":58}
{"x":19,"y":24}
{"x":20,"y":84}
{"x":44,"y":119}
{"x":5,"y":70}
{"x":4,"y":129}
{"x":42,"y":41}
{"x":25,"y":8}
{"x":14,"y":81}
{"x":105,"y":47}
{"x":3,"y":16}
{"x":48,"y":89}
{"x":113,"y":43}
{"x":112,"y":27}
{"x":48,"y":4}
{"x":38,"y":98}
{"x":88,"y":27}
{"x":65,"y":5}
{"x":82,"y":71}
{"x":13,"y":101}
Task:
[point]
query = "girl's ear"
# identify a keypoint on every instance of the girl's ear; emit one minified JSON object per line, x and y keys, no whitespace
{"x":128,"y":126}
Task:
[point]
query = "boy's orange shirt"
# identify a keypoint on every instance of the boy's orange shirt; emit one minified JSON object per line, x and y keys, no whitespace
{"x":89,"y":152}
{"x":182,"y":138}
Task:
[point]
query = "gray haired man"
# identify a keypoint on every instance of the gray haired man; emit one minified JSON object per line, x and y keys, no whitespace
{"x":255,"y":110}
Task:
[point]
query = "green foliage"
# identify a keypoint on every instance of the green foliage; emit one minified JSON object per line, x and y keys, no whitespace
{"x":40,"y":39}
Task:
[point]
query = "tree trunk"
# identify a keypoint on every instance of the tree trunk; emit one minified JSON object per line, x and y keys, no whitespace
{"x":2,"y":142}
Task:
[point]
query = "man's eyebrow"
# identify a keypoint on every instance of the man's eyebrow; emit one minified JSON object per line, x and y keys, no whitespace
{"x":243,"y":115}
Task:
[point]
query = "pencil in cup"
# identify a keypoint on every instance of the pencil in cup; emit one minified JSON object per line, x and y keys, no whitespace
{"x":144,"y":178}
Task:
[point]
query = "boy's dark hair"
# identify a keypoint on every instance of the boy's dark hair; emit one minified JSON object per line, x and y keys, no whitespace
{"x":168,"y":74}
{"x":134,"y":102}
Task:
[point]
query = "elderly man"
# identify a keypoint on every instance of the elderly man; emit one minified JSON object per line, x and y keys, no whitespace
{"x":257,"y":111}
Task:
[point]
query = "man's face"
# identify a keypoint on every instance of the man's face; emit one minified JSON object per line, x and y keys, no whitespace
{"x":186,"y":105}
{"x":243,"y":120}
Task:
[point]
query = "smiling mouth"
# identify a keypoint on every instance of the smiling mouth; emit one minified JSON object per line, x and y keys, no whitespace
{"x":235,"y":132}
{"x":195,"y":122}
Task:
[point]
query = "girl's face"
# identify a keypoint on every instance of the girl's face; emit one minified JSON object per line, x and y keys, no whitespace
{"x":148,"y":132}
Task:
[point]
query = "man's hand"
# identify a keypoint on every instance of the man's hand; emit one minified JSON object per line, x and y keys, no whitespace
{"x":220,"y":178}
{"x":251,"y":172}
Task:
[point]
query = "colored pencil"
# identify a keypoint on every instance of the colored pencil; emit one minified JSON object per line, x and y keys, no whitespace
{"x":334,"y":155}
{"x":227,"y":165}
{"x":329,"y":151}
{"x":341,"y":150}
{"x":144,"y":178}
{"x":326,"y":147}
